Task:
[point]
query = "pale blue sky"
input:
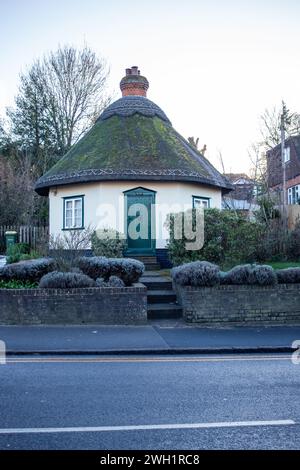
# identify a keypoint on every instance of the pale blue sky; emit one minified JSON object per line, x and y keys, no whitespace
{"x":213,"y":66}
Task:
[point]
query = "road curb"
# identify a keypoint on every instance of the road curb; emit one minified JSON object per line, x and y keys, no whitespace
{"x":141,"y":352}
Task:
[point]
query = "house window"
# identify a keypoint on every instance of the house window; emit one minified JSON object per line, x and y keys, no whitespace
{"x":287,"y":154}
{"x":199,"y":202}
{"x":294,"y":194}
{"x":73,"y":213}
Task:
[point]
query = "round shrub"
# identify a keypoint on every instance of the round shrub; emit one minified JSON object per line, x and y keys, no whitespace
{"x":95,"y":266}
{"x":264,"y":275}
{"x":109,"y":243}
{"x":27,"y":271}
{"x":63,"y":280}
{"x":241,"y":274}
{"x":182,"y":274}
{"x":197,"y":273}
{"x":248,"y":274}
{"x":114,"y":281}
{"x":100,"y":282}
{"x":288,"y":275}
{"x":127,"y":269}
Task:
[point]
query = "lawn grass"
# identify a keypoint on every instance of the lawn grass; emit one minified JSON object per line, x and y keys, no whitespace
{"x":284,"y":264}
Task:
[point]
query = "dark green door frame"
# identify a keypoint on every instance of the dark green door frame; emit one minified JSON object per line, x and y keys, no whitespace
{"x":146,"y":197}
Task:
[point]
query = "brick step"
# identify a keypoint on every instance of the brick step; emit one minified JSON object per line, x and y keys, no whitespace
{"x":163,"y":311}
{"x":161,"y":296}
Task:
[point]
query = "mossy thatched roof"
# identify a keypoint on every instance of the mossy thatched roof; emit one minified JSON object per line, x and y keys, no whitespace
{"x":132,"y":140}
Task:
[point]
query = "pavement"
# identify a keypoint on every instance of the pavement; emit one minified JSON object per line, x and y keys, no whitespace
{"x":150,"y":402}
{"x":157,"y":338}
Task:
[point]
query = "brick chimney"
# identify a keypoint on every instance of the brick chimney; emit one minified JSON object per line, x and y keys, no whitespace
{"x":134,"y":83}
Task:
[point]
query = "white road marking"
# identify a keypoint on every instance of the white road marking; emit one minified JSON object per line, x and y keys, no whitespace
{"x":119,"y":360}
{"x":149,"y":427}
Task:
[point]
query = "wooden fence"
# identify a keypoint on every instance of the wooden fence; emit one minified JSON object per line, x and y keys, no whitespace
{"x":34,"y":236}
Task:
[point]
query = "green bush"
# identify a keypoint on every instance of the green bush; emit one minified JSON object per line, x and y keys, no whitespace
{"x":16,"y":251}
{"x":17,"y":284}
{"x":109,"y":243}
{"x":229,"y":238}
{"x":293,"y":245}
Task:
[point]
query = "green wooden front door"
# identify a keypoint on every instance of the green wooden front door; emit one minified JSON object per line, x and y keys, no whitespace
{"x":140,"y":221}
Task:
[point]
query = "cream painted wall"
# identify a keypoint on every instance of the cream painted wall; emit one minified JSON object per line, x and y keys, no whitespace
{"x":104,"y":203}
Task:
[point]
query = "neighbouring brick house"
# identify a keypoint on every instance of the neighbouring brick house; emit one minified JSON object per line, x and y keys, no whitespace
{"x":243,"y":196}
{"x":292,"y":166}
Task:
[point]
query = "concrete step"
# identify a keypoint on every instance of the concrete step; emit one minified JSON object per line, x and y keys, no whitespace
{"x":152,"y":266}
{"x":145,"y":259}
{"x":157,"y":283}
{"x":164,"y":311}
{"x":161,"y":296}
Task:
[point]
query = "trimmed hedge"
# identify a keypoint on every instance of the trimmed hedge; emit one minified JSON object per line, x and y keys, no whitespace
{"x":248,"y":274}
{"x":129,"y":270}
{"x":288,"y":275}
{"x":63,"y":280}
{"x":198,"y":273}
{"x":205,"y":274}
{"x":27,"y":271}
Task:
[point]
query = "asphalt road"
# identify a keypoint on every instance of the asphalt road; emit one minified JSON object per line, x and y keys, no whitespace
{"x":243,"y":402}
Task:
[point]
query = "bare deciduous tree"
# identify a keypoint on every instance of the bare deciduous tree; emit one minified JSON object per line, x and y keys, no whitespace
{"x":66,"y":249}
{"x":58,"y":99}
{"x":270,"y":125}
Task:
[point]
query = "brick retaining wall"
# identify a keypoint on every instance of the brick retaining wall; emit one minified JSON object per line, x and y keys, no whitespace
{"x":98,"y":305}
{"x":240,"y":304}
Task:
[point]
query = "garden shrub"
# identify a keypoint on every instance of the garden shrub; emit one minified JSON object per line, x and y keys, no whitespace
{"x":113,"y":281}
{"x":17,"y":284}
{"x":16,"y":252}
{"x":250,"y":274}
{"x":241,"y":274}
{"x":129,"y":270}
{"x":68,"y":247}
{"x":288,"y":275}
{"x":95,"y":266}
{"x":229,"y":238}
{"x":293,"y":245}
{"x":63,"y":280}
{"x":264,"y":275}
{"x":223,"y":277}
{"x":109,"y":243}
{"x":31,"y":271}
{"x":198,"y":273}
